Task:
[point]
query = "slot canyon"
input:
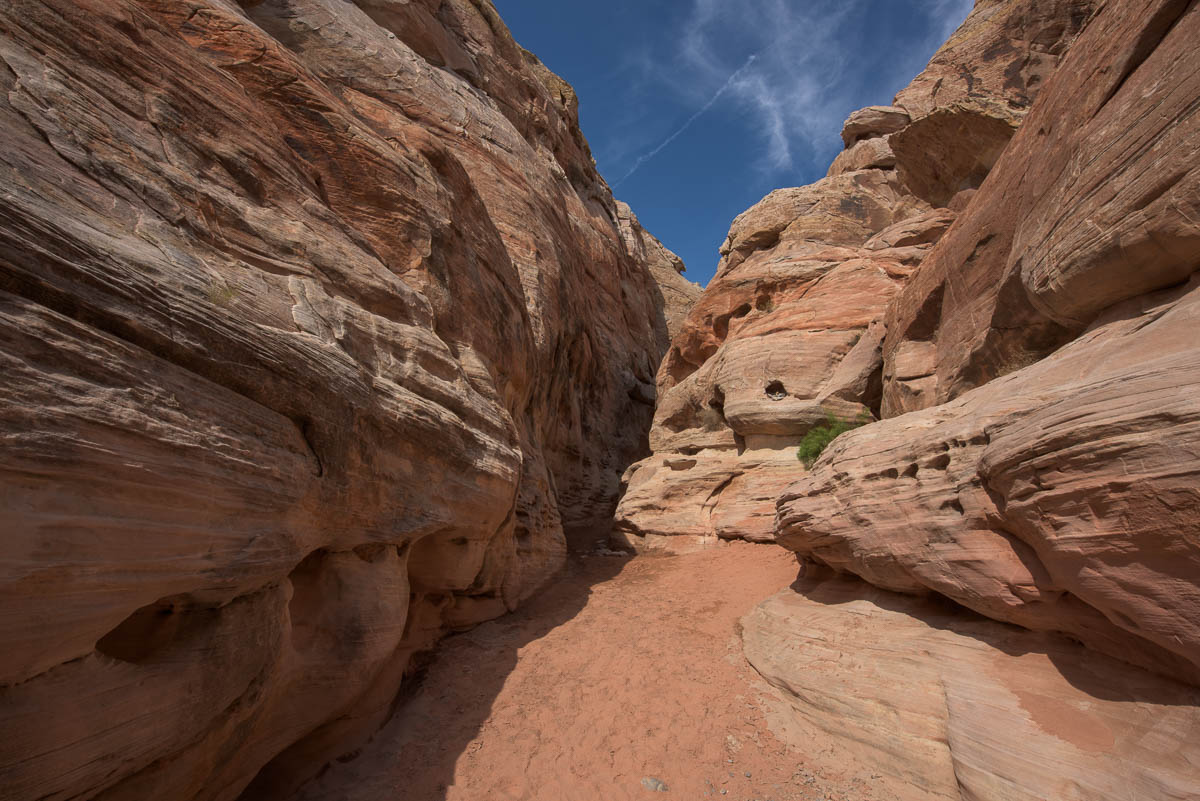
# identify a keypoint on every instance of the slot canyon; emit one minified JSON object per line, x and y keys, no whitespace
{"x":356,"y":443}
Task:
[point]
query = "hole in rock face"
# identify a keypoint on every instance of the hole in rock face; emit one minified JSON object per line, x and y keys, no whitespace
{"x":717,"y":401}
{"x":776,"y":391}
{"x":721,"y":324}
{"x":953,"y":504}
{"x":940,"y":462}
{"x":307,"y":598}
{"x":154,"y":628}
{"x":370,"y":552}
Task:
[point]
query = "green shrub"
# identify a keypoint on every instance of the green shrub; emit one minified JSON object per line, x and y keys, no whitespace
{"x":820,"y":436}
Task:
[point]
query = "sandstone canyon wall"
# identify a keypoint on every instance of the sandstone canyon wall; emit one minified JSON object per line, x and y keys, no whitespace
{"x":790,"y":328}
{"x":1003,"y":270}
{"x":1049,"y":466}
{"x":319,"y":329}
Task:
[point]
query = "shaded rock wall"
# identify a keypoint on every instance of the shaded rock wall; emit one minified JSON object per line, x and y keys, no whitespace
{"x":790,"y":329}
{"x":318,"y":329}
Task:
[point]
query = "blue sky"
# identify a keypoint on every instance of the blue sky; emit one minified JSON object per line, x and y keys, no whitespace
{"x":695,"y":109}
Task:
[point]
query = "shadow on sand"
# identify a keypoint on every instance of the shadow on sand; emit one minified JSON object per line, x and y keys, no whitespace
{"x":444,"y":706}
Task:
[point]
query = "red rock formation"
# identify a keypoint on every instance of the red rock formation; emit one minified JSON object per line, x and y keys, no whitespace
{"x":784,"y":334}
{"x":1060,"y":496}
{"x":678,"y":293}
{"x":1097,"y":204}
{"x":317,"y":327}
{"x":1040,"y":460}
{"x":1040,"y":456}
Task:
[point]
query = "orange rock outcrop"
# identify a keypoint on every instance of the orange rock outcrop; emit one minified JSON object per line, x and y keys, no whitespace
{"x":319,"y":330}
{"x":1040,"y":459}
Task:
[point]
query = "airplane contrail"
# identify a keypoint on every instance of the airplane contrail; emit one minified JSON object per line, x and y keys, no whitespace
{"x":642,"y":159}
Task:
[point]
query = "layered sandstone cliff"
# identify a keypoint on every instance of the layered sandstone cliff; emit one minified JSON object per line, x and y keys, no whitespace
{"x":1001,"y":268}
{"x":1047,"y":470}
{"x":790,"y":329}
{"x":319,"y":329}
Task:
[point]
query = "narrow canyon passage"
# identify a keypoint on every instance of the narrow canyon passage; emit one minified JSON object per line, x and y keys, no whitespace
{"x":622,"y":670}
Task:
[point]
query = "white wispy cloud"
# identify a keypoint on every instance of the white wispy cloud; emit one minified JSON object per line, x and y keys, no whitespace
{"x":642,"y":159}
{"x":789,"y":67}
{"x":782,"y":85}
{"x":951,"y":13}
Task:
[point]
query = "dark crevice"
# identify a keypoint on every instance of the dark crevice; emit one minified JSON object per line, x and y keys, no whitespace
{"x":711,"y":501}
{"x":305,"y":427}
{"x":717,"y":401}
{"x":153,"y":629}
{"x":1155,"y":31}
{"x":928,"y":318}
{"x":149,"y":633}
{"x":1164,"y":185}
{"x":954,"y":504}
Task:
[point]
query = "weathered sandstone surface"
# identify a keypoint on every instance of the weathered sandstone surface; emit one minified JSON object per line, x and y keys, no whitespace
{"x":936,"y":704}
{"x":1096,"y":204}
{"x":790,"y":329}
{"x":1064,"y":496}
{"x":1062,"y":492}
{"x":318,"y":328}
{"x":1039,"y":464}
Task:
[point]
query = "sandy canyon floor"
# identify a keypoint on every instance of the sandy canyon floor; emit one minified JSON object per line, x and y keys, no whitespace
{"x":624,"y":677}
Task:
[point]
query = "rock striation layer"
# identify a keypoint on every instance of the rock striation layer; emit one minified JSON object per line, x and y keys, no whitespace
{"x":1054,"y":484}
{"x":318,"y":329}
{"x":790,"y":329}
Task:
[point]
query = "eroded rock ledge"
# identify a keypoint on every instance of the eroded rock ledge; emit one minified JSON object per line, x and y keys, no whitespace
{"x":318,"y":328}
{"x":934,"y":703}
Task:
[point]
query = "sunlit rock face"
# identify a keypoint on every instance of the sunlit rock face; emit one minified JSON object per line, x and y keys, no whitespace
{"x":790,"y":330}
{"x":1037,"y":464}
{"x":1046,"y":470}
{"x":923,"y":701}
{"x":319,"y":329}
